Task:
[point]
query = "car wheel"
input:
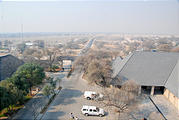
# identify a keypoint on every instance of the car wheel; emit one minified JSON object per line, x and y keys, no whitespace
{"x":100,"y":115}
{"x":86,"y":114}
{"x":88,"y":98}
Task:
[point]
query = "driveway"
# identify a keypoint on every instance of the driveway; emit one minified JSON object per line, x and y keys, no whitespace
{"x":70,"y":100}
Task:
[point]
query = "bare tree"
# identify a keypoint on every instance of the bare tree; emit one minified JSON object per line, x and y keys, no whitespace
{"x":29,"y":52}
{"x":51,"y":56}
{"x":97,"y":67}
{"x":164,"y":47}
{"x":99,"y":72}
{"x":38,"y":54}
{"x":121,"y":97}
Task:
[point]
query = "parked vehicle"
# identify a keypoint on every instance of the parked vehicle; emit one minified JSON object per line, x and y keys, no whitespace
{"x":90,"y":95}
{"x":92,"y":110}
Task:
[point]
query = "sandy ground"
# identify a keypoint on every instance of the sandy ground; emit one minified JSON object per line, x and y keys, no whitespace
{"x":71,"y":100}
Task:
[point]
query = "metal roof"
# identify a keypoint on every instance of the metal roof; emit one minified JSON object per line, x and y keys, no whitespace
{"x":173,"y":81}
{"x":151,"y":69}
{"x":119,"y":63}
{"x":3,"y":54}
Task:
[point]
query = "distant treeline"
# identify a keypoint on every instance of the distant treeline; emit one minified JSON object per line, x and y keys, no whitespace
{"x":37,"y":34}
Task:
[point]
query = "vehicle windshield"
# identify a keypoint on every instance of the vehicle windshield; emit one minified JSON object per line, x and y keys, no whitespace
{"x":97,"y":109}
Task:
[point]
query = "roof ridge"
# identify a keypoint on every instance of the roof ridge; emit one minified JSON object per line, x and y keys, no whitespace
{"x":4,"y":55}
{"x":126,"y":62}
{"x":171,"y":72}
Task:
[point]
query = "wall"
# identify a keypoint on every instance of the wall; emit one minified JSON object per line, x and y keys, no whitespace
{"x":172,"y":98}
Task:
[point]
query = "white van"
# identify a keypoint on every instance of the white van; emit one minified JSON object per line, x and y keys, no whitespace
{"x":92,"y":110}
{"x":90,"y":95}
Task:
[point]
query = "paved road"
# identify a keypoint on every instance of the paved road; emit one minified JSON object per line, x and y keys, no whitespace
{"x":70,"y":100}
{"x":87,"y":47}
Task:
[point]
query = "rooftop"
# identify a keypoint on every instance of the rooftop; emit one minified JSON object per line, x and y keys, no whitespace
{"x":3,"y":54}
{"x":150,"y":69}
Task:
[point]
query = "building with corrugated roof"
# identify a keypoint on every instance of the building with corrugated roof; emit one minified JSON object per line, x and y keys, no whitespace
{"x":155,"y":72}
{"x":8,"y":65}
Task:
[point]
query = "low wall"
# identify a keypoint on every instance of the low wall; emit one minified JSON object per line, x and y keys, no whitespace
{"x":172,"y":98}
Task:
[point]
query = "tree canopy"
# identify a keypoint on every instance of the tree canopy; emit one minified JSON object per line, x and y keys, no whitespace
{"x":13,"y":89}
{"x":5,"y":98}
{"x":29,"y":74}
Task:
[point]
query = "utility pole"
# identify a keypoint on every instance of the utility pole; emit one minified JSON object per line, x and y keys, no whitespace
{"x":22,"y":31}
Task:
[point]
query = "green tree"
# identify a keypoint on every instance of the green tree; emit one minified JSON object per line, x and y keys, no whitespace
{"x":16,"y":94}
{"x":5,"y":98}
{"x":52,"y":84}
{"x":20,"y":82}
{"x":30,"y":75}
{"x":47,"y":90}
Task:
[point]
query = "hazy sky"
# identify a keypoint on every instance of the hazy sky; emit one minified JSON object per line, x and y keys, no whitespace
{"x":130,"y":16}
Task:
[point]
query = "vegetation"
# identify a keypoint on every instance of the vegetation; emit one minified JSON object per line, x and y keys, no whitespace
{"x":21,"y":47}
{"x":97,"y":67}
{"x":47,"y":91}
{"x":99,"y":72}
{"x":164,"y":47}
{"x":72,"y":45}
{"x":49,"y":61}
{"x":5,"y":98}
{"x":33,"y":53}
{"x":27,"y":76}
{"x":13,"y":91}
{"x":121,"y":97}
{"x":50,"y":89}
{"x":6,"y":112}
{"x":52,"y":83}
{"x":51,"y":54}
{"x":54,"y":67}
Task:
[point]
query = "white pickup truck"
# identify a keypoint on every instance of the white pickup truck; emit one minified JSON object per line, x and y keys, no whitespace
{"x":90,"y":95}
